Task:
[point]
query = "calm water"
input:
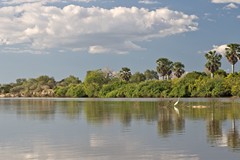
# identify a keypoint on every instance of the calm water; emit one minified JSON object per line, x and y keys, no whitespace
{"x":119,"y":129}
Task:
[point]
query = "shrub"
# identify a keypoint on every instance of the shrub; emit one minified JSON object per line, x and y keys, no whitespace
{"x":76,"y":91}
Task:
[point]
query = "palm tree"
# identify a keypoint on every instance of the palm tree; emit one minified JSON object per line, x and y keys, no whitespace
{"x":232,"y":53}
{"x":213,"y":62}
{"x":178,"y":69}
{"x":125,"y":74}
{"x":164,"y":67}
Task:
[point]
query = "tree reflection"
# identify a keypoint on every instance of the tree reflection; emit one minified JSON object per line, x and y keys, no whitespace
{"x":72,"y":109}
{"x":105,"y":111}
{"x":97,"y":112}
{"x":125,"y":115}
{"x":214,"y":126}
{"x":169,"y":121}
{"x":36,"y":109}
{"x":165,"y":122}
{"x":160,"y":113}
{"x":233,"y":137}
{"x":214,"y":130}
{"x":43,"y":109}
{"x":179,"y":123}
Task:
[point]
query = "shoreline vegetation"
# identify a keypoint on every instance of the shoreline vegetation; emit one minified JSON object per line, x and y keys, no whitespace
{"x":97,"y":85}
{"x":168,"y":80}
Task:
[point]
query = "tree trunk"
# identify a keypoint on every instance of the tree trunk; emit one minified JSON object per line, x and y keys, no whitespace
{"x":233,"y":124}
{"x":212,"y":75}
{"x":232,"y":68}
{"x":159,"y":77}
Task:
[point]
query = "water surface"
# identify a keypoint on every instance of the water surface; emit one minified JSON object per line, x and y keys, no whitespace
{"x":107,"y":129}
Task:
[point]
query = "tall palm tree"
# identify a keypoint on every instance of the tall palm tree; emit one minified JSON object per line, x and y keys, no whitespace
{"x":164,"y":67}
{"x":125,"y":74}
{"x":232,"y":53}
{"x":213,"y":62}
{"x":178,"y":69}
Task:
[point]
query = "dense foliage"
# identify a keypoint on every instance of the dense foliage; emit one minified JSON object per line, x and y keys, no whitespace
{"x":96,"y":84}
{"x":168,"y":80}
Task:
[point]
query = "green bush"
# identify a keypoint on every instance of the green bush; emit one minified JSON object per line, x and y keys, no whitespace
{"x":186,"y":86}
{"x":60,"y":91}
{"x":107,"y":88}
{"x":92,"y":89}
{"x":232,"y":82}
{"x":125,"y":90}
{"x":76,"y":91}
{"x":180,"y":89}
{"x":215,"y":87}
{"x":153,"y":88}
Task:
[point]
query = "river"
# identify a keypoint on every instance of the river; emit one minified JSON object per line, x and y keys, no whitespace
{"x":117,"y":129}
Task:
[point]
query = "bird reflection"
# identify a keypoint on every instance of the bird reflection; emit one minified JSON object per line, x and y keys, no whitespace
{"x":175,"y":104}
{"x":176,"y":109}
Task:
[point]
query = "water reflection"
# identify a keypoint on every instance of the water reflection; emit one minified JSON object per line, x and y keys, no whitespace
{"x":44,"y":109}
{"x":220,"y":120}
{"x":169,"y":121}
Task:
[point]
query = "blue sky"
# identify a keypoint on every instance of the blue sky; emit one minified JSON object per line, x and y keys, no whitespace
{"x":69,"y":37}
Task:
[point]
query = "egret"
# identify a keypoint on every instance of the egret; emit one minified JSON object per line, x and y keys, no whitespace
{"x":175,"y":108}
{"x":177,"y":101}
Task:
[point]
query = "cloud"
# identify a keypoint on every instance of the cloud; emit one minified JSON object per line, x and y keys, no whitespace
{"x":98,"y":49}
{"x":226,"y":1}
{"x":128,"y":45}
{"x":208,"y":17}
{"x":17,"y":2}
{"x":96,"y":30}
{"x":85,"y":1}
{"x":231,"y":6}
{"x":238,"y":16}
{"x":148,"y":2}
{"x":220,"y":49}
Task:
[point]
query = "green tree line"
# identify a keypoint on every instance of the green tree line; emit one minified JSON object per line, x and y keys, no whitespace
{"x":167,"y":80}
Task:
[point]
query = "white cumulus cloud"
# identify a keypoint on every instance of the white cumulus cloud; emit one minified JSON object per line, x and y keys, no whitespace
{"x":226,"y":1}
{"x":17,"y":2}
{"x":221,"y":49}
{"x":231,"y":6}
{"x":96,"y":30}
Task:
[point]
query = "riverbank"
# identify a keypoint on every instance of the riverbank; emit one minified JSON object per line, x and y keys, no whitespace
{"x":193,"y":84}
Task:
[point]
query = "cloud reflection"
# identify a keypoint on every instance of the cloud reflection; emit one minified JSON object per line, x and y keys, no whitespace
{"x":44,"y":149}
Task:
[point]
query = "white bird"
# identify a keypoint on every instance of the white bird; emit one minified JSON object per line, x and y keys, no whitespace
{"x":177,"y":101}
{"x":176,"y":109}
